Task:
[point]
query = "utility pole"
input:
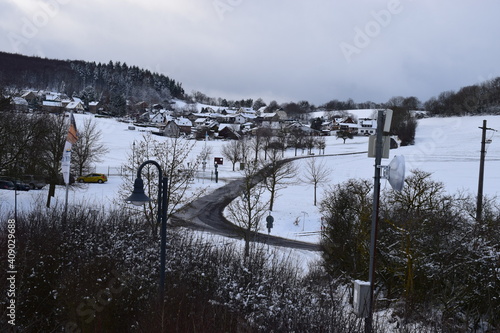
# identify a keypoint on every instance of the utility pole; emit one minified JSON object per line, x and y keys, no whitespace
{"x":479,"y":208}
{"x":379,"y":144}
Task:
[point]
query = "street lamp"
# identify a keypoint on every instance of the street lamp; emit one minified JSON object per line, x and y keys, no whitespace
{"x":138,"y":198}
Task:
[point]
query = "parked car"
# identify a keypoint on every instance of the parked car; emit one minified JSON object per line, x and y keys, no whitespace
{"x":33,"y":182}
{"x":6,"y":185}
{"x":21,"y":186}
{"x":93,"y":178}
{"x":18,"y":185}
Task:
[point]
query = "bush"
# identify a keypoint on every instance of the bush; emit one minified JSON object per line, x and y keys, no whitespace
{"x":404,"y":125}
{"x":99,"y":272}
{"x":434,"y":260}
{"x":89,"y":272}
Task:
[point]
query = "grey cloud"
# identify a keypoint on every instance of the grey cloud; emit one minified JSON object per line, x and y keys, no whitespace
{"x":288,"y":51}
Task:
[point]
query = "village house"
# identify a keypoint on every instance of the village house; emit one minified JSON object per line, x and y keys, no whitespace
{"x":160,"y":116}
{"x":349,"y":125}
{"x":367,"y":126}
{"x":94,"y":107}
{"x":241,"y":118}
{"x":201,"y":122}
{"x":32,"y":98}
{"x":56,"y":97}
{"x":185,"y":125}
{"x":52,"y":106}
{"x":229,"y":131}
{"x":297,"y":125}
{"x":75,"y":106}
{"x":327,"y":127}
{"x":171,"y":130}
{"x":19,"y":103}
{"x":175,"y":127}
{"x":268,"y":117}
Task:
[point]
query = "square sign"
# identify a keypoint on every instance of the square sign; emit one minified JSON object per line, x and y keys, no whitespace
{"x":372,"y":139}
{"x":218,"y":160}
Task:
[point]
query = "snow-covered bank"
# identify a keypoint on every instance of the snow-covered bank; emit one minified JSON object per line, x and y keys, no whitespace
{"x":449,"y":148}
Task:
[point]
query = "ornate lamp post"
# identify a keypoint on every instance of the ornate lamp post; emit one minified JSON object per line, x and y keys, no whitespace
{"x":138,"y":197}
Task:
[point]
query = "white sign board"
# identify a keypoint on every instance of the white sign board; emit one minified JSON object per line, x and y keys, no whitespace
{"x":372,"y":146}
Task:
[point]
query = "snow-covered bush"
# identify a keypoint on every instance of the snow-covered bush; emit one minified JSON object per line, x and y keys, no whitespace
{"x":435,"y":262}
{"x":98,"y":271}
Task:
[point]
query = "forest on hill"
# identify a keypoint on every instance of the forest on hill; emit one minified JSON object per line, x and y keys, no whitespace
{"x":115,"y":83}
{"x":111,"y":84}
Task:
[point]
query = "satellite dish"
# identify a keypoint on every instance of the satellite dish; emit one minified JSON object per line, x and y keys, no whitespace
{"x":396,"y":173}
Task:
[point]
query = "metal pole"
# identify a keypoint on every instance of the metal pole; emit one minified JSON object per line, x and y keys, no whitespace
{"x":133,"y":158}
{"x":164,"y":207}
{"x":15,"y":204}
{"x":479,"y":208}
{"x":66,"y":205}
{"x":162,"y":219}
{"x":376,"y":195}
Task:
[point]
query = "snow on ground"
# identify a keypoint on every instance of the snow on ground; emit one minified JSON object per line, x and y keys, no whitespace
{"x":449,"y":148}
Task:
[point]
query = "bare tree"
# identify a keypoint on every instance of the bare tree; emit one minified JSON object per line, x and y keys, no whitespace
{"x":260,"y":140}
{"x":282,"y":140}
{"x":258,"y":103}
{"x":309,"y":143}
{"x":23,"y":139}
{"x":232,"y":152}
{"x":247,"y":210}
{"x":321,"y":144}
{"x":344,"y":135}
{"x":395,"y":101}
{"x":205,"y":155}
{"x":178,"y":164}
{"x":245,"y":149}
{"x":53,"y":153}
{"x":315,"y":174}
{"x":296,"y":139}
{"x":257,"y":143}
{"x":279,"y":174}
{"x":89,"y":148}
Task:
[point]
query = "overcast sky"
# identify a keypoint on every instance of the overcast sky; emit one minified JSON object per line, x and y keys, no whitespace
{"x":279,"y":50}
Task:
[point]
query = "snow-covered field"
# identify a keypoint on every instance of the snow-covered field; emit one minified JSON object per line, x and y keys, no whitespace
{"x":447,"y":147}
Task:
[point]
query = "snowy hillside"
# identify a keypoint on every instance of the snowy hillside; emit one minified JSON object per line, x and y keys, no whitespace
{"x":447,"y":147}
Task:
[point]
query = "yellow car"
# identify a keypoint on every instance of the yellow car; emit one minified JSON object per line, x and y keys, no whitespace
{"x":93,"y":178}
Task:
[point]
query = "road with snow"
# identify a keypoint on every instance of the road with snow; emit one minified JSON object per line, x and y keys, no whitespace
{"x":206,"y":214}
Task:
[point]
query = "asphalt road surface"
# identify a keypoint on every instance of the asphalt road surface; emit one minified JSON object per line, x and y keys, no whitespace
{"x":205,"y":214}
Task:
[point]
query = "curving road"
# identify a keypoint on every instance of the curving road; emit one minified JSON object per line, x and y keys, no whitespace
{"x":206,"y":214}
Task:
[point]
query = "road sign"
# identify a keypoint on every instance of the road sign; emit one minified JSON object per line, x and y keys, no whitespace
{"x":372,"y":146}
{"x":269,"y":221}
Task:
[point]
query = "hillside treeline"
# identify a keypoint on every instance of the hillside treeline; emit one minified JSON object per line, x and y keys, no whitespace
{"x":483,"y":98}
{"x":114,"y":83}
{"x":111,"y":83}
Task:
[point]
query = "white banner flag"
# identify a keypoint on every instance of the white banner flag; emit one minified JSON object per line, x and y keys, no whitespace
{"x":70,"y":140}
{"x":66,"y":161}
